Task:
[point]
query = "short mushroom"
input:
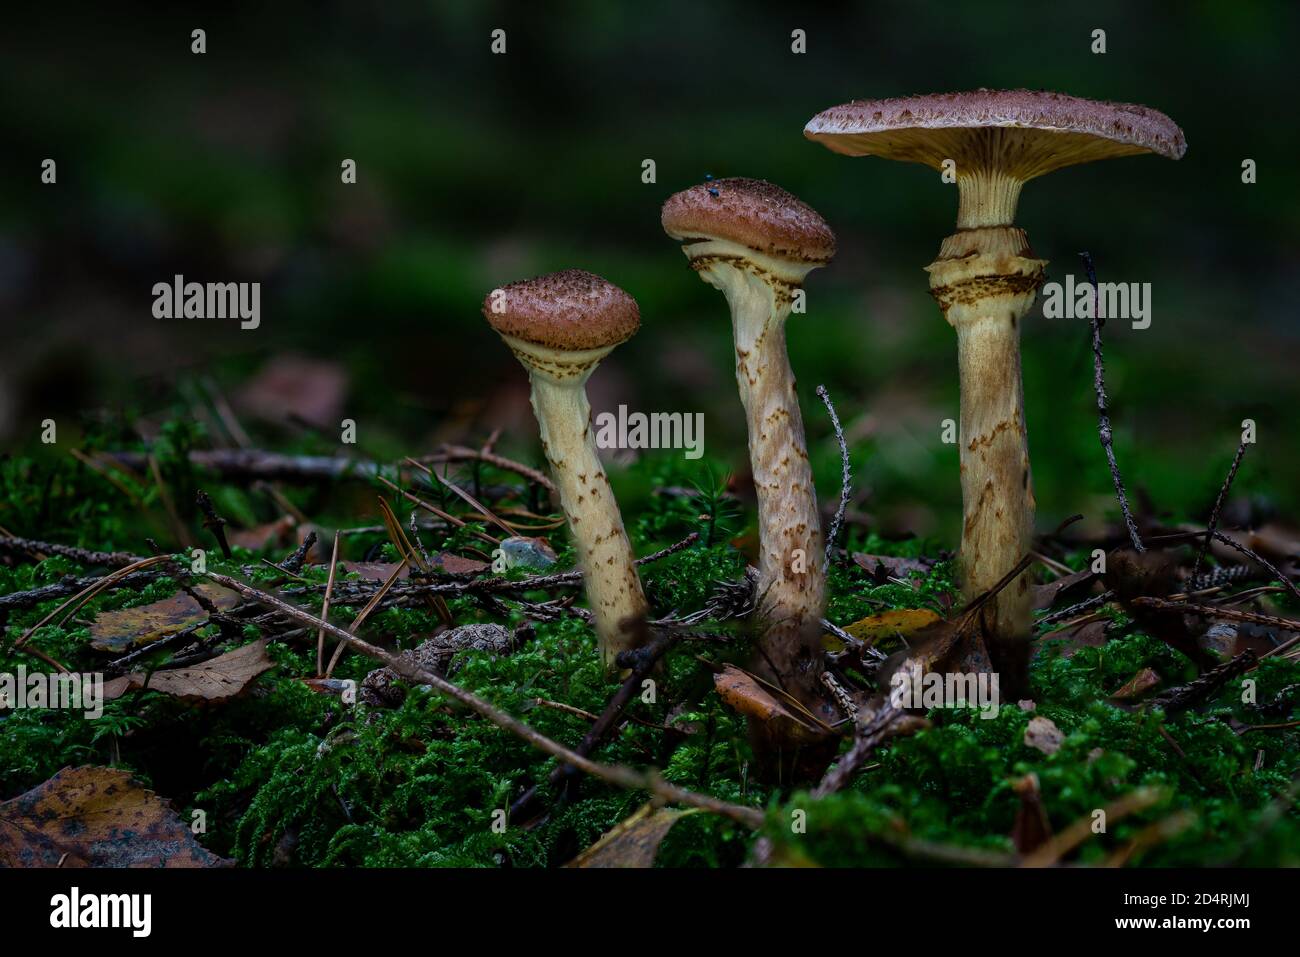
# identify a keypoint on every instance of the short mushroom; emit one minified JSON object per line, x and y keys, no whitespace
{"x":560,"y":326}
{"x":756,"y":243}
{"x":985,"y":280}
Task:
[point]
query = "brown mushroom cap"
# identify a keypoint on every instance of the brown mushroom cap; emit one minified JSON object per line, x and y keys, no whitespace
{"x":751,"y":213}
{"x":571,"y":311}
{"x":1023,"y":133}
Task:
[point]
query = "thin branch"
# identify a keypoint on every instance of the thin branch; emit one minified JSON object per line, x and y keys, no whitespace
{"x":459,"y":453}
{"x":846,"y":477}
{"x":325,"y":607}
{"x":365,"y":613}
{"x":1088,"y":604}
{"x":293,"y":564}
{"x":213,"y":522}
{"x":1211,"y":528}
{"x":72,"y":586}
{"x":1103,"y":414}
{"x":445,"y":516}
{"x":642,"y":661}
{"x":1242,"y":549}
{"x":868,"y":736}
{"x":1218,"y":611}
{"x":26,"y":546}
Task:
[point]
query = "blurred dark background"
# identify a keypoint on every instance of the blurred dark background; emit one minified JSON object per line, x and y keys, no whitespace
{"x":476,"y":169}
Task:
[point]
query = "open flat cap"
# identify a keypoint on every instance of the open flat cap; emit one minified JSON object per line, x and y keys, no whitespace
{"x":571,"y":310}
{"x":1024,"y":133}
{"x":751,"y":213}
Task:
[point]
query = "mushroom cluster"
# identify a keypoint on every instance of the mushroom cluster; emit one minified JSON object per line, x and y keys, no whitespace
{"x":756,"y":243}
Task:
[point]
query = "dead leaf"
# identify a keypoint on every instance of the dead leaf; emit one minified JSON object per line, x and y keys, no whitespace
{"x":1044,"y":735}
{"x":1088,"y":634}
{"x":96,"y":817}
{"x":290,"y":386}
{"x":633,"y":842}
{"x":1031,"y":828}
{"x":277,"y":534}
{"x":754,"y":698}
{"x":1045,"y":596}
{"x":375,"y":571}
{"x":455,"y":565}
{"x":219,"y":679}
{"x":899,"y":623}
{"x":126,"y":628}
{"x":1144,"y":680}
{"x":1279,"y":544}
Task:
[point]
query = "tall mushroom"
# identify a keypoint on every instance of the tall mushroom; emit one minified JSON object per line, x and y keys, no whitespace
{"x":560,"y":326}
{"x":985,"y":279}
{"x":755,"y":243}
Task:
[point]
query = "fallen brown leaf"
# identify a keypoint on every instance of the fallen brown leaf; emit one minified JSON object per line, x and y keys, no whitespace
{"x":291,"y":386}
{"x":126,"y":628}
{"x":1045,"y":595}
{"x":275,"y":534}
{"x":219,"y":679}
{"x":633,"y":842}
{"x":1143,"y":681}
{"x":1088,"y":634}
{"x":1031,"y":828}
{"x":96,"y":817}
{"x":375,"y":571}
{"x":749,"y":695}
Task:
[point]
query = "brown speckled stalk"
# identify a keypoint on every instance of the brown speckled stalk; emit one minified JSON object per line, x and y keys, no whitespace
{"x":792,"y":559}
{"x":985,"y":280}
{"x":595,"y":524}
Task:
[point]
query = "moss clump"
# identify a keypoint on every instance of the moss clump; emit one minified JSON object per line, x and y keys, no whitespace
{"x":951,"y":783}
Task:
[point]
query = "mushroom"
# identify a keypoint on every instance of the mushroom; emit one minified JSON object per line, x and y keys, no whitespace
{"x":560,"y":326}
{"x":755,"y":242}
{"x":985,"y":280}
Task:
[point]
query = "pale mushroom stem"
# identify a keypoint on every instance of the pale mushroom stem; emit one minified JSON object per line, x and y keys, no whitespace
{"x":596,"y":525}
{"x":792,"y":560}
{"x":985,"y":280}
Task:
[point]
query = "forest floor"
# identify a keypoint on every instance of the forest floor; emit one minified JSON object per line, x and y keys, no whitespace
{"x":1162,"y":728}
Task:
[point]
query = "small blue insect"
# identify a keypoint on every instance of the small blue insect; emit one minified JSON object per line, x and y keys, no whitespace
{"x":713,"y":192}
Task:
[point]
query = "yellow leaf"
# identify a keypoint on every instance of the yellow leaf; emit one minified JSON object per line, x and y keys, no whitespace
{"x":904,"y":622}
{"x":126,"y":628}
{"x":633,"y":842}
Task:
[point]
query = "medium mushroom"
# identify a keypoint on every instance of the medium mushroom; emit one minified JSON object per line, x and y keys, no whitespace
{"x":560,"y":326}
{"x":756,"y":243}
{"x":985,"y":280}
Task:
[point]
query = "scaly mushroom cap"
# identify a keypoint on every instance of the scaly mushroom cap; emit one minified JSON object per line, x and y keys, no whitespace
{"x":750,"y":213}
{"x":569,"y":311}
{"x":1020,"y":133}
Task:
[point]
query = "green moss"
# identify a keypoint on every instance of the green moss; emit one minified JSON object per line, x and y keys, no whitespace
{"x":289,"y":776}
